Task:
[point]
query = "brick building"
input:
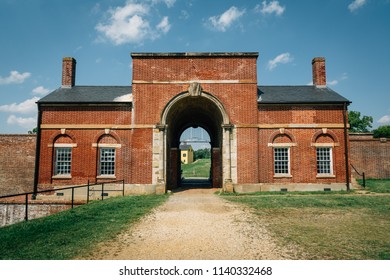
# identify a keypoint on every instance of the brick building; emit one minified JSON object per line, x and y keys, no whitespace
{"x":262,"y":137}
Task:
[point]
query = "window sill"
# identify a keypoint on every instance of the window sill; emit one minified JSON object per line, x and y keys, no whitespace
{"x":325,"y":176}
{"x":106,"y":177}
{"x":282,"y":176}
{"x":62,"y":177}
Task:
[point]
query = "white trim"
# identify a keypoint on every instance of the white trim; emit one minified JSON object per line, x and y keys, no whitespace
{"x":282,"y":145}
{"x":102,"y":145}
{"x":326,"y":175}
{"x":62,"y":176}
{"x":106,"y":177}
{"x":279,"y":175}
{"x":325,"y":145}
{"x":65,"y":145}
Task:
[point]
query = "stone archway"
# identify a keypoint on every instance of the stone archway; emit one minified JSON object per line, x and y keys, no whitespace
{"x":191,"y":109}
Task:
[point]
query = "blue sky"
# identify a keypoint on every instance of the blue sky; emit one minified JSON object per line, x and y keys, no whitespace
{"x":353,"y":36}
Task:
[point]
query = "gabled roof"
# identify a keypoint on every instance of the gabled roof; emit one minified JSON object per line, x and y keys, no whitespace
{"x":90,"y":95}
{"x":298,"y":95}
{"x":123,"y":94}
{"x":185,"y":147}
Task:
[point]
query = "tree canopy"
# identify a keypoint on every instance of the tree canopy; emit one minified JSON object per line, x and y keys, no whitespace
{"x":358,"y":123}
{"x":382,"y":131}
{"x":202,"y":153}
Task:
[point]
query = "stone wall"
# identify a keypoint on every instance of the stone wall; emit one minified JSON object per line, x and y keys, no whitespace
{"x":17,"y":161}
{"x":14,"y":212}
{"x":370,"y":155}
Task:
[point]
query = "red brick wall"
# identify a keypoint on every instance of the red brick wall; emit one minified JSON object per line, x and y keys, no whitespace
{"x":369,"y":155}
{"x":86,"y":115}
{"x":303,"y":114}
{"x":157,"y":80}
{"x":84,"y":156}
{"x":303,"y":152}
{"x":17,"y":162}
{"x":302,"y":157}
{"x":232,"y":80}
{"x":195,"y":68}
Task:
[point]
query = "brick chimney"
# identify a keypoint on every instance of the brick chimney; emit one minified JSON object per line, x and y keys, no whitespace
{"x":68,"y":72}
{"x":319,"y":73}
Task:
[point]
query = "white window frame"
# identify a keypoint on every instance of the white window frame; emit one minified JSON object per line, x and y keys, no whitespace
{"x":65,"y":164}
{"x":330,"y":167}
{"x":277,"y":174}
{"x":105,"y":174}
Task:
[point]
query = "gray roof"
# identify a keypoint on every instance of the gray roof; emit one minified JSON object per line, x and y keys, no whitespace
{"x":122,"y":94}
{"x":298,"y":95}
{"x":89,"y":94}
{"x":185,"y":147}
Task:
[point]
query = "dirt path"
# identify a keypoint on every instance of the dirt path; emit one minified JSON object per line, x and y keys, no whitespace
{"x":194,"y":224}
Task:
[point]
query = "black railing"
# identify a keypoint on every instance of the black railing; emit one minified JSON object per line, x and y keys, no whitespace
{"x":103,"y":193}
{"x":360,"y":174}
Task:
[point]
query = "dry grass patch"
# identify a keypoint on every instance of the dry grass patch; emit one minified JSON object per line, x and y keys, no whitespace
{"x":326,"y":226}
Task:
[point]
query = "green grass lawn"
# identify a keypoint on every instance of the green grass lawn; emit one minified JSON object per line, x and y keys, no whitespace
{"x":73,"y":232}
{"x":377,"y":185}
{"x":199,"y":168}
{"x":327,"y":226}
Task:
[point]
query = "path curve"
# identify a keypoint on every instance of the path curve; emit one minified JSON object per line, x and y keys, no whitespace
{"x":194,"y":224}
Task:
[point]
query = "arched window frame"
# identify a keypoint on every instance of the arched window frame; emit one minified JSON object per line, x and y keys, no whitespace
{"x":106,"y":156}
{"x":62,"y":156}
{"x":282,"y":153}
{"x":325,"y":153}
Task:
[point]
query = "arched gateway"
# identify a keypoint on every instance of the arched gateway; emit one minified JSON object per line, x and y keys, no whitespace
{"x":263,"y":138}
{"x":196,"y":108}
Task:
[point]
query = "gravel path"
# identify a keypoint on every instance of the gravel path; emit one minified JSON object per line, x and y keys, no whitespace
{"x":194,"y":224}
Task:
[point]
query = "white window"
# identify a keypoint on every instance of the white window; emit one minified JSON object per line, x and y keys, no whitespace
{"x":324,"y":160}
{"x":107,"y":161}
{"x":63,"y":161}
{"x":282,"y":160}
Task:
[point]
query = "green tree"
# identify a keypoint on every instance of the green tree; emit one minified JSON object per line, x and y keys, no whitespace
{"x":382,"y":131}
{"x":202,"y":153}
{"x":34,"y":131}
{"x":358,"y":123}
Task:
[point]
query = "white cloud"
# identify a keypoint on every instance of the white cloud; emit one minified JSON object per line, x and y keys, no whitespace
{"x":26,"y":107}
{"x":131,"y":23}
{"x":27,"y":123}
{"x":124,"y":98}
{"x":169,"y":3}
{"x":225,"y":20}
{"x":126,"y":24}
{"x":280,"y":59}
{"x":384,"y":120}
{"x":40,"y":90}
{"x":14,"y":78}
{"x":356,"y":4}
{"x":343,"y":77}
{"x":272,"y":7}
{"x":184,"y":15}
{"x":164,"y":25}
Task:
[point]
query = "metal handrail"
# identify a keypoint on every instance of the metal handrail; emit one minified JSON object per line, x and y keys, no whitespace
{"x":360,"y":174}
{"x":26,"y":194}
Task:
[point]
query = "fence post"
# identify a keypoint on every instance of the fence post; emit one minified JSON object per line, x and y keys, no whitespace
{"x":88,"y":192}
{"x":102,"y":190}
{"x":364,"y":180}
{"x":123,"y":187}
{"x":26,"y":212}
{"x":72,"y":197}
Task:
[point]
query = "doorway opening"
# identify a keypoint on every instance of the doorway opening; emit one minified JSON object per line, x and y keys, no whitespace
{"x":185,"y":112}
{"x":195,"y":157}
